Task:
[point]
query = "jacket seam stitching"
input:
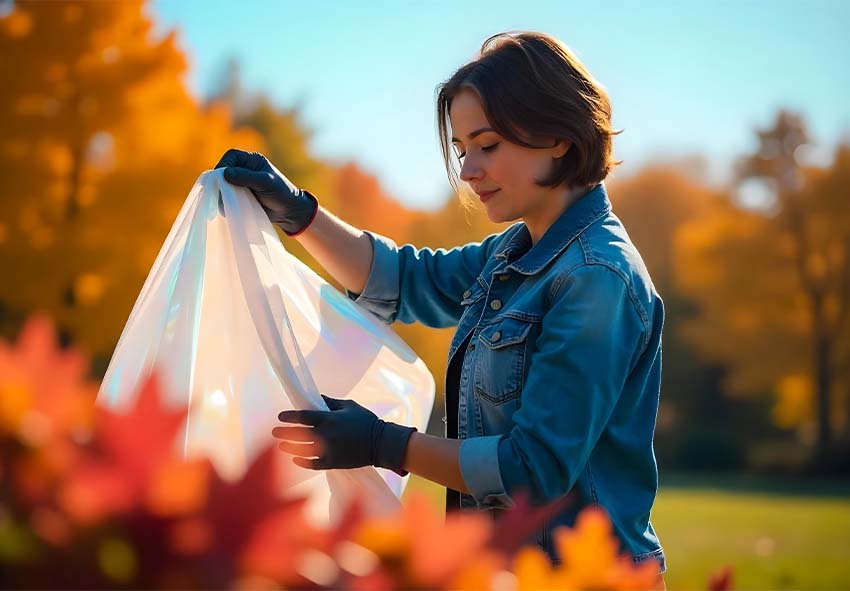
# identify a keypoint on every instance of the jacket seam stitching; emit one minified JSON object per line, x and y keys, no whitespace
{"x":558,"y":283}
{"x":577,"y":236}
{"x":591,"y":259}
{"x":639,"y":557}
{"x":592,"y":484}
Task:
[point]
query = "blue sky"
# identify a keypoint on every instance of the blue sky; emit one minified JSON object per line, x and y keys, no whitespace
{"x":684,"y":77}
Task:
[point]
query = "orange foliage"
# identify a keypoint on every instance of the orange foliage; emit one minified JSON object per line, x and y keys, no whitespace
{"x":590,"y":560}
{"x":136,"y":514}
{"x":101,"y":143}
{"x":653,"y":204}
{"x":363,"y":203}
{"x":44,"y":395}
{"x":434,"y":553}
{"x":772,"y":282}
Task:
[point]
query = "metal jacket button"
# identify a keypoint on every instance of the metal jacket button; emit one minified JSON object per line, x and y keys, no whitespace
{"x":496,"y":336}
{"x":496,"y":304}
{"x":467,"y":293}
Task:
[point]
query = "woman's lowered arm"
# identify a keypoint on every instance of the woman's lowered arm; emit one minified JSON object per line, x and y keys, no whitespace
{"x":435,"y":458}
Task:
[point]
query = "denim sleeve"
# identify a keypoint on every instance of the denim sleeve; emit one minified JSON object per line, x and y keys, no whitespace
{"x":590,"y":339}
{"x":410,"y":284}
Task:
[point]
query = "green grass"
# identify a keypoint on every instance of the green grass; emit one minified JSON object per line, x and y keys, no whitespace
{"x":776,"y":534}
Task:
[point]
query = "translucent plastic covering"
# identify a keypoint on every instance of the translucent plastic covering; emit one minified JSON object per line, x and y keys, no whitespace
{"x":238,"y":330}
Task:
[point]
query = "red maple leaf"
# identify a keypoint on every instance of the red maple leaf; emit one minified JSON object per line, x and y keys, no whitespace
{"x":246,"y":530}
{"x":140,"y":440}
{"x":131,"y":451}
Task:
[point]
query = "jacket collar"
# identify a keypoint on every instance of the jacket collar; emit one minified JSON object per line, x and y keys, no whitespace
{"x":592,"y":206}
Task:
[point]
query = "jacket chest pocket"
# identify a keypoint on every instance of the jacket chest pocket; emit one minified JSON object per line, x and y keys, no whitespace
{"x":500,"y":361}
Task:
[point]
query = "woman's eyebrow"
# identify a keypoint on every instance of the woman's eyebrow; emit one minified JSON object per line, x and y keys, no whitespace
{"x":475,"y":133}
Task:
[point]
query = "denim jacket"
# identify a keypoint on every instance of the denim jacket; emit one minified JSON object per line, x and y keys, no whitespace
{"x":560,"y":380}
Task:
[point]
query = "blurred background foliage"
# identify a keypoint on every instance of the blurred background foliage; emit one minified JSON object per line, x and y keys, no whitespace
{"x":100,"y":142}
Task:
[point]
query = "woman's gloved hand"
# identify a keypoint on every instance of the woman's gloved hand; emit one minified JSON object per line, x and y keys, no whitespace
{"x":347,"y":436}
{"x":291,"y":208}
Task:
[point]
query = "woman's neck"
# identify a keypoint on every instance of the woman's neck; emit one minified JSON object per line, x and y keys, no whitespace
{"x":542,"y":219}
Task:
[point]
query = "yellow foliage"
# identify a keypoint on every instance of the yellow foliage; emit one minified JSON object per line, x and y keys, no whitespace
{"x":653,"y":204}
{"x":88,"y":288}
{"x":794,"y":401}
{"x":771,"y":283}
{"x":745,"y":287}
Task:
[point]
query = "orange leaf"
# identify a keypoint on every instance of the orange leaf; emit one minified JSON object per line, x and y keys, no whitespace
{"x":44,"y":390}
{"x":178,"y":487}
{"x":589,"y":551}
{"x":481,"y":571}
{"x":533,"y":570}
{"x":441,"y":550}
{"x":425,"y":551}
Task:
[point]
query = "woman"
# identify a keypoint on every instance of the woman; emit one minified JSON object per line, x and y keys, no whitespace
{"x":554,"y":372}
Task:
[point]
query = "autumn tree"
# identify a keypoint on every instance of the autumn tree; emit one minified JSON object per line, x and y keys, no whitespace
{"x":695,"y":408}
{"x":101,"y":143}
{"x":772,"y":278}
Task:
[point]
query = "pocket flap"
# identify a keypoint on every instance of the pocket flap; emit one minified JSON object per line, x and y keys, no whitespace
{"x":509,"y":331}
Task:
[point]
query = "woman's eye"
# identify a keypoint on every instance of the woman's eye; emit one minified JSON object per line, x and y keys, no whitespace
{"x":489,"y":148}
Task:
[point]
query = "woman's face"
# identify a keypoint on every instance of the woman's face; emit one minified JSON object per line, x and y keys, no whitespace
{"x":503,"y":174}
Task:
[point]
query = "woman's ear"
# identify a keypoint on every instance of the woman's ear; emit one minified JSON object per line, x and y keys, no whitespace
{"x":561,"y":148}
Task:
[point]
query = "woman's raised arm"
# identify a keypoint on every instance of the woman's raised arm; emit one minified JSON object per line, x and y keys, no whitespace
{"x":343,"y":250}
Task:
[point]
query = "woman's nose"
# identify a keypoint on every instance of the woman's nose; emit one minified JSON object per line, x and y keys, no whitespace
{"x":470,"y":170}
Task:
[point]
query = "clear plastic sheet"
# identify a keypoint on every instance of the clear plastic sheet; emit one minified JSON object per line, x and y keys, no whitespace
{"x":238,"y":330}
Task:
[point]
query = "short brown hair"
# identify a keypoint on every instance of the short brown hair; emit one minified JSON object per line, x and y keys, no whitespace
{"x":533,"y":89}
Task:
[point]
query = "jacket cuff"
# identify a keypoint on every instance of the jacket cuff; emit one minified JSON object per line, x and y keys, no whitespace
{"x":479,"y":466}
{"x":380,"y":295}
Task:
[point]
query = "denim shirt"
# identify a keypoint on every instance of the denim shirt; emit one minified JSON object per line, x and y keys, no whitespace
{"x":560,"y":380}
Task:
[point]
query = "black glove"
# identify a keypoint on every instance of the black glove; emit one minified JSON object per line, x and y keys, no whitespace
{"x":291,"y":208}
{"x":346,"y":436}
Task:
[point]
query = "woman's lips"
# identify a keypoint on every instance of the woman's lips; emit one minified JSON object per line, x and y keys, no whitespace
{"x":485,"y":196}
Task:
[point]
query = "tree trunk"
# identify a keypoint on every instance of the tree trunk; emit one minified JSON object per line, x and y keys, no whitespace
{"x":822,"y":374}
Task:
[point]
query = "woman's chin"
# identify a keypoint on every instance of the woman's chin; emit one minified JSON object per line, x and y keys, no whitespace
{"x":495,"y":215}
